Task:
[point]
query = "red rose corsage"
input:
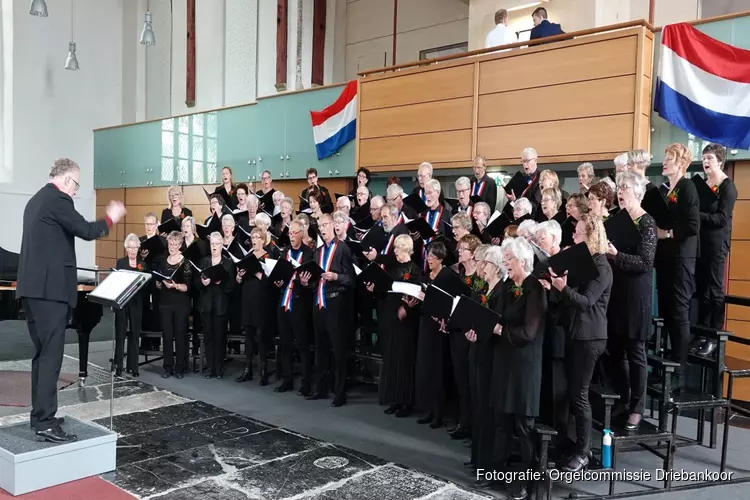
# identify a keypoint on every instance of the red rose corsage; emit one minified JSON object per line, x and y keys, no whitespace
{"x":715,"y":189}
{"x":483,"y":299}
{"x":517,"y":290}
{"x":467,"y":280}
{"x":182,"y":215}
{"x":406,"y":276}
{"x":672,"y":198}
{"x":139,"y":267}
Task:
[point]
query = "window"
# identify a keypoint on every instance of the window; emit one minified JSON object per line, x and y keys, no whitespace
{"x":189,"y":149}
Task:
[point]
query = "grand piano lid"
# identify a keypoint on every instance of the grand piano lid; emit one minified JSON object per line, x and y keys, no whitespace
{"x":8,"y":265}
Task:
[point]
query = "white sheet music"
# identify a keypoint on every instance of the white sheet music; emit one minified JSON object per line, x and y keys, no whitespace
{"x":357,"y":270}
{"x":268,"y":266}
{"x":295,"y":264}
{"x":455,"y":303}
{"x":495,"y":215}
{"x":320,"y":242}
{"x":409,"y":289}
{"x":116,"y":283}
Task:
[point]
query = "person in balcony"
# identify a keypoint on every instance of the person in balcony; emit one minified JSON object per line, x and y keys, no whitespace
{"x":542,"y":27}
{"x":500,"y":34}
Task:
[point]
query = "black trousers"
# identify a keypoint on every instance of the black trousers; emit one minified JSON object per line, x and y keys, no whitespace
{"x":709,"y":278}
{"x":46,"y":320}
{"x":675,"y":282}
{"x":264,"y":341}
{"x":554,"y":401}
{"x":629,"y":371}
{"x":174,"y":324}
{"x":214,"y":332}
{"x":483,"y":418}
{"x":581,"y":357}
{"x":459,"y":351}
{"x":128,"y":324}
{"x":294,"y":326}
{"x":331,"y":333}
{"x":508,"y":425}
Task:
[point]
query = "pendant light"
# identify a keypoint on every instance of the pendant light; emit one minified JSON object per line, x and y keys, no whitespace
{"x":71,"y":63}
{"x":38,"y":8}
{"x":147,"y":35}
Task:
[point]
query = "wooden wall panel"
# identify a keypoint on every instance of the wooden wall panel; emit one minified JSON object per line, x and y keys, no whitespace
{"x":609,"y":96}
{"x":438,"y":116}
{"x":104,"y":263}
{"x":447,"y":83}
{"x":741,"y":219}
{"x":741,"y":288}
{"x":104,"y":196}
{"x":414,"y":149}
{"x":108,"y":249}
{"x":739,"y":256}
{"x":742,"y":180}
{"x":577,"y":63}
{"x":582,"y":137}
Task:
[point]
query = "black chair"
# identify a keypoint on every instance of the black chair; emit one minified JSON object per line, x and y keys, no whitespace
{"x":545,"y":435}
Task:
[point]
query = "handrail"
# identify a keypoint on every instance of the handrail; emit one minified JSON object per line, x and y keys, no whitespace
{"x":706,"y":20}
{"x":539,"y":41}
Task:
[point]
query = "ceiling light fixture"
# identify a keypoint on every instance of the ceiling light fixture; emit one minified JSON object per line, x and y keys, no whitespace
{"x":147,"y":35}
{"x":38,"y":8}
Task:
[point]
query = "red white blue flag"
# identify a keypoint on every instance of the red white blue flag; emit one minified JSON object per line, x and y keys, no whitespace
{"x":337,"y":124}
{"x":703,"y":86}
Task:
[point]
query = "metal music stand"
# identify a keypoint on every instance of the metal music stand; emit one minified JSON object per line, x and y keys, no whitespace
{"x":116,"y":291}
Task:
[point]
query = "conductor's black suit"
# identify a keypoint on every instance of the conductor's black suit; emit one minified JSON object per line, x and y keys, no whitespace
{"x":47,"y":281}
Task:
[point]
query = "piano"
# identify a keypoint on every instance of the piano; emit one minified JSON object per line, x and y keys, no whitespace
{"x":84,"y":319}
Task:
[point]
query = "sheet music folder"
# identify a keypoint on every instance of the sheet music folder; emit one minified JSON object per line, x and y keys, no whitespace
{"x":118,"y":288}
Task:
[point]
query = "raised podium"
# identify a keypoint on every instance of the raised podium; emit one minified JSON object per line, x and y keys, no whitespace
{"x":27,"y":464}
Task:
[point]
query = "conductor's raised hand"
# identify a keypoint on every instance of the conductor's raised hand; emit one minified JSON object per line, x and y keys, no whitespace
{"x":116,"y":211}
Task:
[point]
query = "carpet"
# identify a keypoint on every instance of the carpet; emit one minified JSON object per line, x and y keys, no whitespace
{"x":15,"y":386}
{"x":83,"y":489}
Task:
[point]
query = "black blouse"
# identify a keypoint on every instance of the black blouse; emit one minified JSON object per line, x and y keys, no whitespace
{"x":588,"y":304}
{"x":166,"y":214}
{"x":684,"y":220}
{"x":716,"y":221}
{"x":214,"y":298}
{"x":183,"y":275}
{"x":230,"y":199}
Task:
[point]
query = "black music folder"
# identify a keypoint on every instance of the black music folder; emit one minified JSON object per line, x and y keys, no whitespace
{"x":164,"y":277}
{"x":265,"y":201}
{"x":517,"y":184}
{"x":354,"y":246}
{"x":622,"y":231}
{"x":497,"y":227}
{"x":215,"y":273}
{"x":155,"y":246}
{"x":312,"y":267}
{"x":375,"y":239}
{"x":208,"y":195}
{"x":375,"y":274}
{"x":282,"y":240}
{"x":568,"y":227}
{"x":656,"y":206}
{"x":172,"y":224}
{"x":362,"y":213}
{"x":440,"y":295}
{"x":282,"y":271}
{"x":193,"y":253}
{"x":471,"y":315}
{"x":578,"y":263}
{"x":249,"y":263}
{"x":415,"y":201}
{"x":204,"y":231}
{"x":364,"y":224}
{"x":420,"y":225}
{"x":235,"y":251}
{"x":508,"y":210}
{"x":240,"y":215}
{"x":706,"y":195}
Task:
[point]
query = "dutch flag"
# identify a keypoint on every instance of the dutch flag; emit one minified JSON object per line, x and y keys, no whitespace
{"x":703,"y":86}
{"x":337,"y":124}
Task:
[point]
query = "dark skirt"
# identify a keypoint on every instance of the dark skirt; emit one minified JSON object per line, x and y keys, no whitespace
{"x":432,"y":345}
{"x":399,"y":346}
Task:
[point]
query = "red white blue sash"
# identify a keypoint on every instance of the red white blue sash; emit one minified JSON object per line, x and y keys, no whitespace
{"x":326,"y":259}
{"x":478,"y":188}
{"x":422,"y":195}
{"x":286,"y":301}
{"x":433,"y":219}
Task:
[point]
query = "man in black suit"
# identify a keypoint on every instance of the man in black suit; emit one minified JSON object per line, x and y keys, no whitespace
{"x":392,"y":226}
{"x":483,"y":186}
{"x":542,"y":27}
{"x":331,"y":317}
{"x":47,"y":283}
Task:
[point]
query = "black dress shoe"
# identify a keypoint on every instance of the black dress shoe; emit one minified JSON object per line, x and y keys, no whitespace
{"x":284,"y":387}
{"x":460,"y":432}
{"x":576,"y":463}
{"x":55,"y":435}
{"x":484,"y":484}
{"x":436,"y":423}
{"x":392,"y":409}
{"x":136,"y":374}
{"x":338,"y":401}
{"x":246,"y":375}
{"x":209,"y":375}
{"x":707,"y":348}
{"x":55,"y":421}
{"x":220,"y":375}
{"x":304,"y":391}
{"x":403,"y":412}
{"x":166,"y":374}
{"x":179,"y":376}
{"x":630,"y":426}
{"x":263,"y":375}
{"x":426,"y":419}
{"x":517,"y":492}
{"x":316,"y":395}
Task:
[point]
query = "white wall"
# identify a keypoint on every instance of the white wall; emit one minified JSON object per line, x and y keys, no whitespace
{"x":55,"y":110}
{"x":6,"y":91}
{"x":421,"y":24}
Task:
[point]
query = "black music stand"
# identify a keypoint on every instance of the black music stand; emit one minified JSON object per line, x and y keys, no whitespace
{"x":115,"y":291}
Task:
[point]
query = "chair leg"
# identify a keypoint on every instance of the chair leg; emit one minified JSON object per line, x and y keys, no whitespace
{"x":727,"y":415}
{"x":699,"y":436}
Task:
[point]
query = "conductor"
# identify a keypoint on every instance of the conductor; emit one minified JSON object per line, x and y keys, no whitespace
{"x":47,"y":282}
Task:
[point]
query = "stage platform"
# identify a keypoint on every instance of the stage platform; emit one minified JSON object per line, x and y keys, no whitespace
{"x":217,"y":439}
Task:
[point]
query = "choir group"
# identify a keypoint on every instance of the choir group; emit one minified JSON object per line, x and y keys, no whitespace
{"x":507,"y":313}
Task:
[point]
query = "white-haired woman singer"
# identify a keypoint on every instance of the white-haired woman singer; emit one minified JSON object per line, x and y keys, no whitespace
{"x":517,"y":367}
{"x":629,"y":320}
{"x":133,"y":312}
